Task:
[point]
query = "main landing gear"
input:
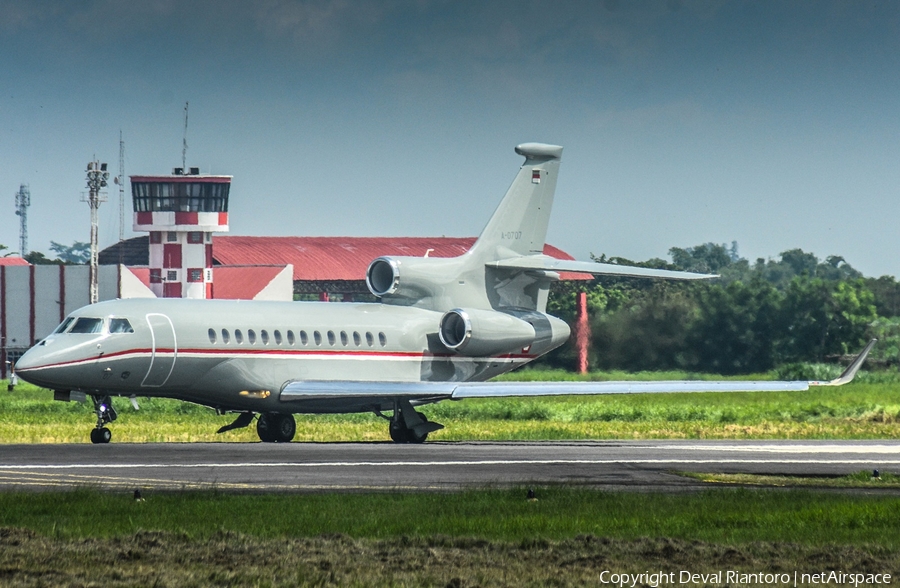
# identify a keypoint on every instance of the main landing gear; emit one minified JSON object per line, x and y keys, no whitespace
{"x":105,"y":414}
{"x":274,"y":427}
{"x":408,"y":425}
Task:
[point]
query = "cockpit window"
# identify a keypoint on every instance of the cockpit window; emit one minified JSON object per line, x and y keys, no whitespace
{"x":87,"y":325}
{"x":64,"y":325}
{"x":120,"y":325}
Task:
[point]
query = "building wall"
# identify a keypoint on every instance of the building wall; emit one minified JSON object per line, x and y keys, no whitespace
{"x":280,"y":288}
{"x":35,"y":299}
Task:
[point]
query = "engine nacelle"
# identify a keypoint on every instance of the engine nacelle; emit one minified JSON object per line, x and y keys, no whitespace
{"x":484,"y":332}
{"x":410,"y":278}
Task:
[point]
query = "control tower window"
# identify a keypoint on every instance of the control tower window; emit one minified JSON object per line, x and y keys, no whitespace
{"x":199,"y":196}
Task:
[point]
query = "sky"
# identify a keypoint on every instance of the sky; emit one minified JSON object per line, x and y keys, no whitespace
{"x":773,"y":124}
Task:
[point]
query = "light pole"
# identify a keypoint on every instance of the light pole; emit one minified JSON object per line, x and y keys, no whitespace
{"x":96,"y":179}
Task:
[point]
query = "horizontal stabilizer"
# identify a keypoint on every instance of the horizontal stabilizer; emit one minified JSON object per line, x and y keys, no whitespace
{"x":543,"y":262}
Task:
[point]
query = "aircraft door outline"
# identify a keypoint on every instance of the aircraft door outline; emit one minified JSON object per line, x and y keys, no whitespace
{"x":162,"y":335}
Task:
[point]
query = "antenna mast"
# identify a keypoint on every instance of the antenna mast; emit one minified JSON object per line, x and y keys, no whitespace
{"x":23,"y":201}
{"x":121,"y":181}
{"x":96,"y":179}
{"x":184,"y":141}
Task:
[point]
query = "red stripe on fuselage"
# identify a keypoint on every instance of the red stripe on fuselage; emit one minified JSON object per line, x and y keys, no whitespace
{"x":264,"y":352}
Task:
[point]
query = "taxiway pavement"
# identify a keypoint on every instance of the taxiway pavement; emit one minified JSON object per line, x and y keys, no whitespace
{"x":645,"y":465}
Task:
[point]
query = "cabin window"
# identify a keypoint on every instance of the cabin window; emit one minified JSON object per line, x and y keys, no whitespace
{"x":212,"y":335}
{"x":317,"y":337}
{"x":382,"y":338}
{"x":225,"y":336}
{"x":251,"y":336}
{"x":290,"y":336}
{"x":238,"y":336}
{"x":264,"y":337}
{"x":64,"y":325}
{"x":155,"y":237}
{"x":303,"y":338}
{"x":331,"y":337}
{"x":195,"y":237}
{"x":356,"y":339}
{"x":86,"y":325}
{"x":370,"y":340}
{"x":277,"y":335}
{"x":344,"y":339}
{"x":120,"y":325}
{"x":171,"y":236}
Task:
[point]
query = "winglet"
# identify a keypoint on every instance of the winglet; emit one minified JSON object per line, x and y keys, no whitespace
{"x":851,"y":370}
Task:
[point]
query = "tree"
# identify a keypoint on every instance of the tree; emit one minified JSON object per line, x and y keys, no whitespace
{"x":648,"y":331}
{"x":8,"y":253}
{"x":824,"y":318}
{"x":737,"y":327}
{"x":706,"y":258}
{"x":38,"y":258}
{"x":77,"y":253}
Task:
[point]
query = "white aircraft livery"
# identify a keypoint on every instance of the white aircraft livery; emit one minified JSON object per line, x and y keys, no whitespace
{"x":442,"y":328}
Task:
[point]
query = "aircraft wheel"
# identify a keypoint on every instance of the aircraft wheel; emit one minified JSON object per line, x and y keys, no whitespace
{"x":399,"y":433}
{"x":285,"y":428}
{"x":102,"y":435}
{"x":265,"y":428}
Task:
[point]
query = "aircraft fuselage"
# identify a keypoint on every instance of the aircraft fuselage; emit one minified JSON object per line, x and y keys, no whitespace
{"x":238,"y":355}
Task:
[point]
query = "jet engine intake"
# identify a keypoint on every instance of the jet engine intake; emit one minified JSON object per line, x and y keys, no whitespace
{"x":383,"y":276}
{"x":411,"y":280}
{"x":476,"y":332}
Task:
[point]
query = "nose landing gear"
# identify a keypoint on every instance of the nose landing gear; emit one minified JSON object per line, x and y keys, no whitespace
{"x":105,"y":414}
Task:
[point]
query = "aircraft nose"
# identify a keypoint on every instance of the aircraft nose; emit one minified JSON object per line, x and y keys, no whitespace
{"x":28,"y":367}
{"x":29,"y":360}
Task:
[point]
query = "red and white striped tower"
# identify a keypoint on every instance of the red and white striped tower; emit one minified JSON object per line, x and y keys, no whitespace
{"x":181,"y":212}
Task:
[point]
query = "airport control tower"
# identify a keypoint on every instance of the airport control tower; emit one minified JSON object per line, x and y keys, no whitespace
{"x":181,"y":212}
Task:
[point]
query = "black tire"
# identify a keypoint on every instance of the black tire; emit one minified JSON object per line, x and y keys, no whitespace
{"x":100,"y":436}
{"x":265,"y":428}
{"x":399,"y":433}
{"x":285,"y":428}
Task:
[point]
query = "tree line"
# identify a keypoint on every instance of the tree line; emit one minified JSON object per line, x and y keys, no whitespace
{"x":756,"y":316}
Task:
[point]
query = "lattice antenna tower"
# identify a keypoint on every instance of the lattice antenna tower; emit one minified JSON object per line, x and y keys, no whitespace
{"x":23,"y":201}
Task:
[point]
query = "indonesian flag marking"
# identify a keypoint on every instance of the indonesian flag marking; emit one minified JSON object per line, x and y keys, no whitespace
{"x":535,"y":176}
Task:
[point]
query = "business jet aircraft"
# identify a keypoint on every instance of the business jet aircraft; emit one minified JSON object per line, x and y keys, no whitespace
{"x":442,"y":328}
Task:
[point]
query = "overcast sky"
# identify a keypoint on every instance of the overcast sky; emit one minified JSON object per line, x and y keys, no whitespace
{"x":773,"y":124}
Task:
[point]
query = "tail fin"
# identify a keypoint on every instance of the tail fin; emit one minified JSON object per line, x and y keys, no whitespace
{"x":519,"y":225}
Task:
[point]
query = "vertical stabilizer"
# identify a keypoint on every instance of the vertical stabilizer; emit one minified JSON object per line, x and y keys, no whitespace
{"x":519,"y":225}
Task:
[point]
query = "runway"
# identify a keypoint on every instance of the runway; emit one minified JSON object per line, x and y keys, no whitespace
{"x":299,"y":467}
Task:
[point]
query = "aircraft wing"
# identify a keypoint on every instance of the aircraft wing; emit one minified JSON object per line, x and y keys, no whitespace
{"x":307,"y":390}
{"x":544,"y":262}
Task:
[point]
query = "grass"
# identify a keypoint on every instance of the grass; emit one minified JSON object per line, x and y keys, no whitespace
{"x":726,"y":516}
{"x":485,"y":537}
{"x":863,"y":479}
{"x":856,"y":411}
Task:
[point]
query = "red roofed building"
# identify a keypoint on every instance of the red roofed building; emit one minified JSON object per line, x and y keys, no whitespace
{"x":324,"y":268}
{"x":11,"y":260}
